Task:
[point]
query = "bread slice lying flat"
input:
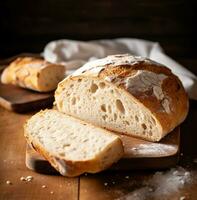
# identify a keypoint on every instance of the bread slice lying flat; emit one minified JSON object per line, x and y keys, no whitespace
{"x":127,"y":94}
{"x":70,"y":145}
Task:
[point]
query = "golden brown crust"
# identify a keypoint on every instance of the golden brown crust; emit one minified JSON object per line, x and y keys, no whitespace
{"x":26,"y":72}
{"x":174,"y":98}
{"x":171,"y":86}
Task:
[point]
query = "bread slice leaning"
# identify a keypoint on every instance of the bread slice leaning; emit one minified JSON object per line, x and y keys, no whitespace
{"x":71,"y":145}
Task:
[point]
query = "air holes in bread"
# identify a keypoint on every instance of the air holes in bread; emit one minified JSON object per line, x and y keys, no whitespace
{"x":73,"y":101}
{"x":103,"y":108}
{"x":93,"y":88}
{"x":136,"y":118}
{"x":126,"y":122}
{"x":115,"y":116}
{"x":101,"y":85}
{"x":104,"y":117}
{"x":109,"y":109}
{"x":79,"y":80}
{"x":150,"y":133}
{"x":66,"y":145}
{"x":120,"y":106}
{"x":144,"y":126}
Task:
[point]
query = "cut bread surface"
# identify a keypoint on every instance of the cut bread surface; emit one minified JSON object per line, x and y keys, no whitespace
{"x":127,"y":94}
{"x":101,"y":103}
{"x":71,"y":145}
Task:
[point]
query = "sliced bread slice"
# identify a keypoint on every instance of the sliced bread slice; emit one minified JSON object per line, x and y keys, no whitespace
{"x":72,"y":146}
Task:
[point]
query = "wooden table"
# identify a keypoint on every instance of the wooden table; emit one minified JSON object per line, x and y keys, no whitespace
{"x":106,"y":185}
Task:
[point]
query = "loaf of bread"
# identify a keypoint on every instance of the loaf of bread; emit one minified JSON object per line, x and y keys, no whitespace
{"x":33,"y":73}
{"x":127,"y":94}
{"x":71,"y":145}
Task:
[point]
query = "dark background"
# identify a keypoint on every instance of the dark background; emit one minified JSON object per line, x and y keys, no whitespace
{"x":28,"y":25}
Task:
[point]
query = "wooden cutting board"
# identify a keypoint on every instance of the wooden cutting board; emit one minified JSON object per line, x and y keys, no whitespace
{"x":22,"y":100}
{"x":139,"y":154}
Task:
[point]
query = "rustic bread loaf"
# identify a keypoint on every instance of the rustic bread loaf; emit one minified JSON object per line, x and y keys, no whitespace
{"x":127,"y":94}
{"x":33,"y":73}
{"x":71,"y":145}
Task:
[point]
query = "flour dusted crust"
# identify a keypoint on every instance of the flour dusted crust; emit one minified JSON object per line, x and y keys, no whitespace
{"x":147,"y":83}
{"x":33,"y":73}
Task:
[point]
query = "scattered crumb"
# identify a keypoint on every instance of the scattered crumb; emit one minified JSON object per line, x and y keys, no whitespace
{"x":8,"y":182}
{"x":51,"y":192}
{"x":22,"y":178}
{"x":26,"y":179}
{"x":182,"y":198}
{"x":44,"y":186}
{"x":181,"y":154}
{"x":113,"y":182}
{"x":85,"y":174}
{"x":105,"y":184}
{"x":29,"y":178}
{"x":127,"y":177}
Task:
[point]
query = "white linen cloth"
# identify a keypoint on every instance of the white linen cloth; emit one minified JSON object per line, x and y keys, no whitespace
{"x":74,"y":54}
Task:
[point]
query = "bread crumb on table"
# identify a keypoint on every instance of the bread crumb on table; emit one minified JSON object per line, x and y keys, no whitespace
{"x":22,"y":178}
{"x":8,"y":182}
{"x":105,"y":184}
{"x":26,"y":179}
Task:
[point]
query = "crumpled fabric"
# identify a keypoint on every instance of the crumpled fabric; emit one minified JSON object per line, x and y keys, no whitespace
{"x":73,"y":54}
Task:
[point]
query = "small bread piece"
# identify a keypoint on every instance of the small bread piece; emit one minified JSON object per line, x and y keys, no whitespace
{"x":71,"y":145}
{"x":127,"y":94}
{"x":33,"y":73}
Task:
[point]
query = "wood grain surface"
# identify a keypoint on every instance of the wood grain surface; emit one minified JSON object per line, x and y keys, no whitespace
{"x":106,"y":185}
{"x":12,"y":166}
{"x":22,"y":100}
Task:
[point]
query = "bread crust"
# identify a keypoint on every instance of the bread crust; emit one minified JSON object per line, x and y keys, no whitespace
{"x":174,"y":95}
{"x":26,"y":72}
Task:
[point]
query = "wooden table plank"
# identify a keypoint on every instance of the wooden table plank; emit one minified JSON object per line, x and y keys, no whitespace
{"x":135,"y":185}
{"x":107,"y":185}
{"x":12,"y":166}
